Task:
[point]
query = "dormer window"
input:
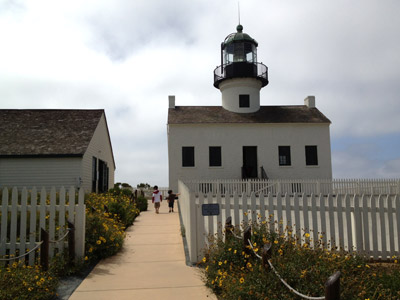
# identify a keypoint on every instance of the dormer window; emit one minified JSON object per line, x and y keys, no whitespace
{"x":244,"y":100}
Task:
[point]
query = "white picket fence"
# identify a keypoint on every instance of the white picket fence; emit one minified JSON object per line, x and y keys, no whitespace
{"x":24,"y":214}
{"x":368,"y":224}
{"x":307,"y":186}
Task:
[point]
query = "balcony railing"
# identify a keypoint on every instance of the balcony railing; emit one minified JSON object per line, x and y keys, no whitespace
{"x":240,"y":70}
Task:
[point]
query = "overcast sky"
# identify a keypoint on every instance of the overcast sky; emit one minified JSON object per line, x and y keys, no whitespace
{"x":127,"y":56}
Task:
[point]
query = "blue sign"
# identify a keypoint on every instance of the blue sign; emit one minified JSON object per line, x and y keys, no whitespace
{"x":210,"y":209}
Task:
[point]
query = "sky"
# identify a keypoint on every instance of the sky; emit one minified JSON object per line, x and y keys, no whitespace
{"x":127,"y":56}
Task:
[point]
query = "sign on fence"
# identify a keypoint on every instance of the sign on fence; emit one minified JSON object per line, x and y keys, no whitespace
{"x":210,"y":209}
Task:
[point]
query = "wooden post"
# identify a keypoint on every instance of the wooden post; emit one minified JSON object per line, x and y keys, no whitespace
{"x":246,"y":238}
{"x":332,"y":287}
{"x":44,"y":250}
{"x":71,"y":243}
{"x":228,"y":229}
{"x":266,"y":254}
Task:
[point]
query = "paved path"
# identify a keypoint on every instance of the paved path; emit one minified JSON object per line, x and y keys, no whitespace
{"x":151,"y":265}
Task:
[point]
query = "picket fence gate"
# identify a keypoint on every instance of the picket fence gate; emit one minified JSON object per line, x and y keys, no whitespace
{"x":23,"y":216}
{"x":368,"y":224}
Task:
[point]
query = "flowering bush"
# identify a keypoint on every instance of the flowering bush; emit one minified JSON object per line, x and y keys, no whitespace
{"x":18,"y":281}
{"x":234,"y":272}
{"x":107,"y":216}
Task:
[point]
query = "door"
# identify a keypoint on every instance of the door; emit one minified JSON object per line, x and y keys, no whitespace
{"x":249,"y":169}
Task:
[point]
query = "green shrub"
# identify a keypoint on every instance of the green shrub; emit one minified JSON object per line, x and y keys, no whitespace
{"x":106,"y":219}
{"x":104,"y":236}
{"x":142,"y":203}
{"x":233,"y":274}
{"x":24,"y":282}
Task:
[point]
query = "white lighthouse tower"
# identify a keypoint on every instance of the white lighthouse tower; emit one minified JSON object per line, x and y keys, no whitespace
{"x":240,"y":77}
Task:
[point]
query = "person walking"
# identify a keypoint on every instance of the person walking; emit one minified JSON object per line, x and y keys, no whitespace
{"x":171,"y":199}
{"x":156,"y":199}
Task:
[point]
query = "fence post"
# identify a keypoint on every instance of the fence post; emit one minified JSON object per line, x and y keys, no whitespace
{"x":332,"y":287}
{"x":266,"y":255}
{"x":44,"y":250}
{"x":246,"y":238}
{"x":71,"y":243}
{"x":228,"y":229}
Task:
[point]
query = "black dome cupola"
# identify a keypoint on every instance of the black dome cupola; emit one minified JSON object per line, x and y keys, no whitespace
{"x":239,"y":59}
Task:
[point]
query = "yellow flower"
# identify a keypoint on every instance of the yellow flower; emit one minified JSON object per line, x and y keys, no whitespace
{"x":204,"y":259}
{"x":275,"y":242}
{"x":234,"y":252}
{"x":241,"y":280}
{"x":98,"y":242}
{"x":86,"y":258}
{"x":307,"y":235}
{"x":207,"y":269}
{"x":219,"y":263}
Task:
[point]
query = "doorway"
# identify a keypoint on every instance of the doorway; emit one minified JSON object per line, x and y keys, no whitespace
{"x":249,"y":169}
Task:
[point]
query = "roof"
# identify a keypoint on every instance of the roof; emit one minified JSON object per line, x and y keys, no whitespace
{"x":239,"y":36}
{"x":266,"y":114}
{"x":31,"y":132}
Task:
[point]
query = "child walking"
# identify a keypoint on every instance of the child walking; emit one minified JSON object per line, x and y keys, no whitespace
{"x":156,"y":199}
{"x":171,"y":199}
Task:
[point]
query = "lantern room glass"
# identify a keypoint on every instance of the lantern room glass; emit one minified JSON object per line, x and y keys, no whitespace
{"x":240,"y":52}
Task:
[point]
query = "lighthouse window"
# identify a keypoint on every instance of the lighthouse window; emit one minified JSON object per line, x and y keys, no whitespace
{"x":284,"y":156}
{"x":244,"y":100}
{"x":215,"y":156}
{"x":311,"y":156}
{"x":187,"y":156}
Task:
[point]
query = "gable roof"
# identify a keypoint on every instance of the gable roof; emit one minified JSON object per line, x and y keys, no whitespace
{"x":49,"y":132}
{"x":266,"y":114}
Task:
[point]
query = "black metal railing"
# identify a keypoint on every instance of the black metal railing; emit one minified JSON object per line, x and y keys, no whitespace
{"x":241,"y":69}
{"x":263,"y":173}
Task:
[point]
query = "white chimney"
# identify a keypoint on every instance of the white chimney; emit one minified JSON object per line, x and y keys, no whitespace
{"x":309,"y":101}
{"x":171,"y":101}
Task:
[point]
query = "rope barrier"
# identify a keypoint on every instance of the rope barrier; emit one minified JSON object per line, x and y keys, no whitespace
{"x":65,"y":235}
{"x":18,"y":257}
{"x":290,"y":288}
{"x":37,"y":246}
{"x":283,"y":281}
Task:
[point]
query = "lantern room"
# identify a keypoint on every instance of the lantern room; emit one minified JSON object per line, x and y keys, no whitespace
{"x":239,"y":59}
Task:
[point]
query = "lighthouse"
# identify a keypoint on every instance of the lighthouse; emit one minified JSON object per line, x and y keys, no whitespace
{"x":241,"y":139}
{"x":240,"y":77}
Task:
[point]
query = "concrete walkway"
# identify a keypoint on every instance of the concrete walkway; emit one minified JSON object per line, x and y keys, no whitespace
{"x":151,"y":265}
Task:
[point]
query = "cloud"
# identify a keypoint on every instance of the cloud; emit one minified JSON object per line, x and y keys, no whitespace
{"x":128,"y":56}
